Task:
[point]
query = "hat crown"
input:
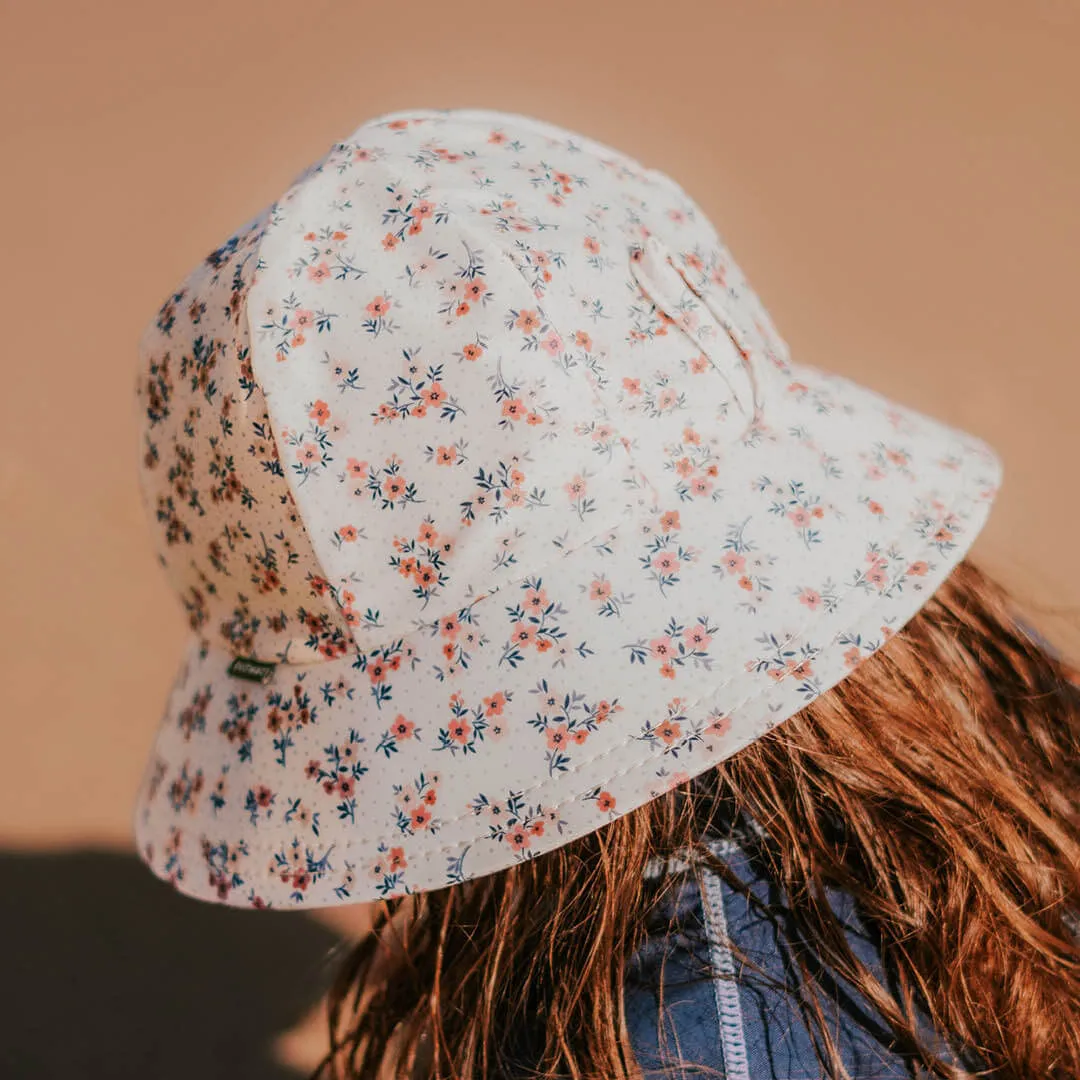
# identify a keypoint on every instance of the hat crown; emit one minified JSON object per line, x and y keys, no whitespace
{"x":459,"y":347}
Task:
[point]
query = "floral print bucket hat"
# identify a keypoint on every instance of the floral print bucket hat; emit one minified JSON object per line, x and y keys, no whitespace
{"x":497,"y":507}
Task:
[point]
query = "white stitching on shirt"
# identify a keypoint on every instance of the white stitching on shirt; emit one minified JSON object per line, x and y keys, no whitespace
{"x":725,"y":987}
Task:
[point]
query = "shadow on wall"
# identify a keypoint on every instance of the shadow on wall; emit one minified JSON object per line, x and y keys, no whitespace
{"x":107,"y":972}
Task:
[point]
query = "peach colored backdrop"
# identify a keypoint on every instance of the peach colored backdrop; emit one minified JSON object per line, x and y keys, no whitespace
{"x":898,"y":179}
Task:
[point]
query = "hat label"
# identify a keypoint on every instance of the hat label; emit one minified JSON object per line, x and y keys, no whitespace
{"x":244,"y":667}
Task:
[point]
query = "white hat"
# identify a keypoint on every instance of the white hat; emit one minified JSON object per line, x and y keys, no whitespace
{"x":497,"y":509}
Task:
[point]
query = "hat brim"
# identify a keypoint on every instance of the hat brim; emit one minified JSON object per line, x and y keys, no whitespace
{"x":324,"y":785}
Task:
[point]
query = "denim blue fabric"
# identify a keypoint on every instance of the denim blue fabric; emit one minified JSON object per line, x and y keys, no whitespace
{"x":739,"y":1027}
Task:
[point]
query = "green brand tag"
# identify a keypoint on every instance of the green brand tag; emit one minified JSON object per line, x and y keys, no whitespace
{"x":243,"y":667}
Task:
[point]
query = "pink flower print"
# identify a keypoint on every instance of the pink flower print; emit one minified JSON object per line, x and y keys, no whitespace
{"x":661,"y":648}
{"x":389,"y":242}
{"x":582,"y":340}
{"x":475,"y":289}
{"x":459,"y":729}
{"x":668,"y":731}
{"x":302,"y":319}
{"x":799,"y":517}
{"x":378,"y":307}
{"x":851,"y":657}
{"x":733,"y":563}
{"x":514,"y":408}
{"x":397,"y":860}
{"x":918,"y":568}
{"x":522,"y":635}
{"x":393,"y":487}
{"x":669,"y":521}
{"x":551,"y":343}
{"x":446,"y":455}
{"x":576,"y":487}
{"x":667,"y":398}
{"x":684,"y":466}
{"x":427,"y":534}
{"x":874,"y":507}
{"x":517,"y":837}
{"x":494,"y":705}
{"x":701,"y":486}
{"x":308,"y":454}
{"x":876,"y":575}
{"x":319,"y":273}
{"x":420,"y":818}
{"x":356,"y":470}
{"x":592,"y":245}
{"x":557,"y":736}
{"x":718,"y":726}
{"x":699,"y":364}
{"x":801,"y":669}
{"x":535,"y":601}
{"x":434,"y":394}
{"x":600,"y":589}
{"x":527,"y":322}
{"x":402,"y":728}
{"x":605,"y":802}
{"x":604,"y":711}
{"x":688,"y":320}
{"x":472,"y":352}
{"x":422,"y":209}
{"x":811,"y":598}
{"x":320,"y":413}
{"x":348,"y":533}
{"x":632,"y":386}
{"x":691,"y":437}
{"x":426,"y":576}
{"x":677,"y":646}
{"x":665,"y":563}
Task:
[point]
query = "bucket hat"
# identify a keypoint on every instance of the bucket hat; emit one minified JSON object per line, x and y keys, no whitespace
{"x":497,"y":507}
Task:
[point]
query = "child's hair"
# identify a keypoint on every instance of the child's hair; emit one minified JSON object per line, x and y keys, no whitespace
{"x":939,"y":785}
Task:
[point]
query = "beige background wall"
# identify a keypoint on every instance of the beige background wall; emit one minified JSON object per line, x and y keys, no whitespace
{"x":899,"y":179}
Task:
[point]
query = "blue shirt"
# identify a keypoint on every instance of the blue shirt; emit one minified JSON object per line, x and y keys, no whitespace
{"x":739,"y":1025}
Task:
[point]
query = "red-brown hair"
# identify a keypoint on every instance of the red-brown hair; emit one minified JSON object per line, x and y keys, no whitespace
{"x":939,"y":785}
